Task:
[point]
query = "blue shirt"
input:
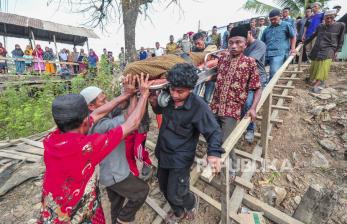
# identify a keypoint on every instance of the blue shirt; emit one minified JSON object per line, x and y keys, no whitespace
{"x":312,"y":23}
{"x":142,"y":55}
{"x":277,"y":39}
{"x":291,"y":21}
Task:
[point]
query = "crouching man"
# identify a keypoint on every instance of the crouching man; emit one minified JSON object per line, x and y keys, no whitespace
{"x":115,"y":174}
{"x":184,"y":118}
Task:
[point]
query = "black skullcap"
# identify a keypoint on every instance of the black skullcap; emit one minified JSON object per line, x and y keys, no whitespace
{"x":69,"y":108}
{"x":241,"y":31}
{"x":274,"y":12}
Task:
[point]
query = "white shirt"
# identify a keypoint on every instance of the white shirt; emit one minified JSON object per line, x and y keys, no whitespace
{"x":158,"y":52}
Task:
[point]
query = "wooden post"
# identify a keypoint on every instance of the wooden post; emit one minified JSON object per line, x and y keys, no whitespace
{"x":300,"y":57}
{"x":265,"y":124}
{"x":56,"y":53}
{"x":225,"y":196}
{"x":33,"y":37}
{"x":87,"y":46}
{"x":5,"y":31}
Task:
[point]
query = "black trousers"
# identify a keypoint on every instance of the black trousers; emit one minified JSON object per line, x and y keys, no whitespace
{"x":174,"y":183}
{"x":132,"y":188}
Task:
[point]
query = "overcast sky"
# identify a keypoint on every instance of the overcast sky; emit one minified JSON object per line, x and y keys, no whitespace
{"x":164,"y":21}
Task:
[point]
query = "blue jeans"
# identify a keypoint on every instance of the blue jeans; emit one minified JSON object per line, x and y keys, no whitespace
{"x":246,"y":107}
{"x":275,"y":63}
{"x":209,"y":88}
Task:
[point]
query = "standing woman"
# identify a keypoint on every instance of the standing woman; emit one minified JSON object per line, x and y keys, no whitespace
{"x":82,"y":61}
{"x":18,"y":53}
{"x":329,"y":41}
{"x":92,"y":62}
{"x":38,"y":59}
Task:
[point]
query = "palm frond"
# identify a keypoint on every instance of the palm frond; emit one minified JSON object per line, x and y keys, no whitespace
{"x":257,"y":6}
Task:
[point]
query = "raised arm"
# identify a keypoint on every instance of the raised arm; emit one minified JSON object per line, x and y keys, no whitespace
{"x":102,"y":111}
{"x":135,"y":117}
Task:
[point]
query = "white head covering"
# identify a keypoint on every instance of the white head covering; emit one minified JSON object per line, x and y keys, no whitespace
{"x":90,"y":93}
{"x":330,"y":12}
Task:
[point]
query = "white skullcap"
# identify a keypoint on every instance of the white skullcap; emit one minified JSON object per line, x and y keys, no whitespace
{"x":330,"y":12}
{"x":90,"y":93}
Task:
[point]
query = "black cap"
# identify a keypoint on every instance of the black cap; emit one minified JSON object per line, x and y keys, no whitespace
{"x":240,"y":31}
{"x":274,"y":12}
{"x":69,"y":107}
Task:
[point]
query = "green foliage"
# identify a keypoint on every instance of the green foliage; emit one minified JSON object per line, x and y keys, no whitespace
{"x":297,"y":6}
{"x":26,"y":110}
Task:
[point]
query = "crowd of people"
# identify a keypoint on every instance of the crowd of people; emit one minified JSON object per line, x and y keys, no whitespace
{"x":65,"y":62}
{"x":92,"y":131}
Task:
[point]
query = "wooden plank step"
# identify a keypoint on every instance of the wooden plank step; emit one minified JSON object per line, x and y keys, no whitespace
{"x":279,"y":121}
{"x":280,"y":107}
{"x":284,"y":97}
{"x":270,"y":212}
{"x":258,"y":135}
{"x":294,"y":72}
{"x":24,"y":154}
{"x":159,"y":219}
{"x":289,"y":78}
{"x":284,"y":87}
{"x":248,"y":155}
{"x":213,"y":202}
{"x":18,"y":157}
{"x":151,"y":202}
{"x":32,"y":142}
{"x":31,"y":150}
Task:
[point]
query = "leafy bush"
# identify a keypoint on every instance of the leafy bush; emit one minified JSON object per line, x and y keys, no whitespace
{"x":26,"y":110}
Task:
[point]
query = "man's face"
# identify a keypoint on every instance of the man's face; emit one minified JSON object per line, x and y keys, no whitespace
{"x":275,"y":20}
{"x":142,"y":48}
{"x":46,"y":49}
{"x":157,"y":45}
{"x":185,"y":37}
{"x":237,"y":45}
{"x":315,"y":8}
{"x":285,"y":13}
{"x":105,"y":51}
{"x":122,"y":49}
{"x":99,"y":101}
{"x":179,"y":94}
{"x":214,"y":30}
{"x":261,"y":22}
{"x":252,"y":23}
{"x":308,"y":12}
{"x":171,"y":39}
{"x":329,"y":19}
{"x":200,"y":43}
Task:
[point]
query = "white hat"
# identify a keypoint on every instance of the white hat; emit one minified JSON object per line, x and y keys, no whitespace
{"x":90,"y":93}
{"x":330,"y":12}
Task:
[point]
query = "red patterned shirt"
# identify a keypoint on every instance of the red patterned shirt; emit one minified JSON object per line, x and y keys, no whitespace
{"x":70,"y":187}
{"x":236,"y":76}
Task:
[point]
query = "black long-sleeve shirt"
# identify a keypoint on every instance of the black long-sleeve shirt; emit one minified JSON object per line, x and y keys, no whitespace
{"x":329,"y":40}
{"x":180,"y":130}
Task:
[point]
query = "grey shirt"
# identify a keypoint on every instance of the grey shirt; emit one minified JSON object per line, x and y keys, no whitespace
{"x":114,"y":168}
{"x":257,"y":50}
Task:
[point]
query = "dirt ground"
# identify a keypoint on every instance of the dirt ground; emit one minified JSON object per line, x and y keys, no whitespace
{"x":296,"y":140}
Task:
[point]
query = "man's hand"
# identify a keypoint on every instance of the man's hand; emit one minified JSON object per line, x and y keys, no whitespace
{"x":215,"y":163}
{"x":144,"y":84}
{"x":252,"y":113}
{"x":129,"y":85}
{"x":293,"y":52}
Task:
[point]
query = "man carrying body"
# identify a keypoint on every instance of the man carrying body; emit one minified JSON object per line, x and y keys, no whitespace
{"x":184,"y":118}
{"x":114,"y":169}
{"x":255,"y":49}
{"x":279,"y":38}
{"x":237,"y":75}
